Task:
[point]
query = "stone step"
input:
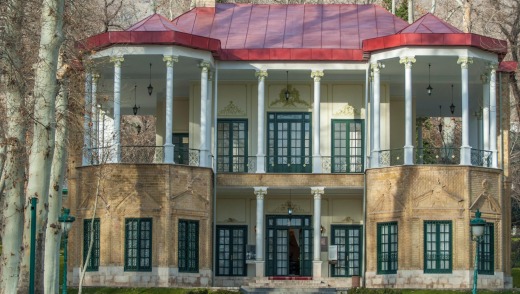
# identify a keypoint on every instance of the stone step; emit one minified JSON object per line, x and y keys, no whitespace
{"x":276,"y":290}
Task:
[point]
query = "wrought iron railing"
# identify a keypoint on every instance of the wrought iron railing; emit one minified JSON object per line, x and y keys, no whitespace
{"x":289,"y":164}
{"x":446,"y":155}
{"x":342,"y":164}
{"x":481,"y":157}
{"x":142,"y":154}
{"x":391,"y":157}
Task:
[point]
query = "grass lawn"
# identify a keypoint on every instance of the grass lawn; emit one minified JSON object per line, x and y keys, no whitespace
{"x":516,"y":277}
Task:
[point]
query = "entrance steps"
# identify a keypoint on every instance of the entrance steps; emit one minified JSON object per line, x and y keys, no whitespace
{"x":287,"y":285}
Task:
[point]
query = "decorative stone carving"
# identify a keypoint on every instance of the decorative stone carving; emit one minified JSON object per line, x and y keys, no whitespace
{"x":348,"y":111}
{"x":437,"y":197}
{"x":231,"y":110}
{"x":135,"y":201}
{"x":390,"y":200}
{"x":260,"y":192}
{"x":117,"y":60}
{"x":407,"y":61}
{"x":485,"y":201}
{"x":294,"y":98}
{"x":170,"y":60}
{"x":464,"y":61}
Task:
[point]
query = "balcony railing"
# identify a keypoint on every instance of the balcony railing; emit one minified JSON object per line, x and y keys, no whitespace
{"x":446,"y":155}
{"x":342,"y":164}
{"x":289,"y":164}
{"x":141,"y":155}
{"x":481,"y":157}
{"x":391,"y":157}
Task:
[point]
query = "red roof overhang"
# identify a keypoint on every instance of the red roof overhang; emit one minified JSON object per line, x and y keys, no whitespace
{"x":108,"y":39}
{"x":508,"y":66}
{"x":425,"y":40}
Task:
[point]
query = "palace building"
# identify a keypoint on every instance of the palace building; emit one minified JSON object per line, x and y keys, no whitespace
{"x":289,"y":150}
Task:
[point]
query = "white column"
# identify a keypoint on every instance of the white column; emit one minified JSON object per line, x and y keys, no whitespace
{"x":209,"y":121}
{"x":203,"y":148}
{"x":316,"y":269}
{"x":465,"y":149}
{"x":116,"y":148}
{"x":316,"y":154}
{"x":87,"y":120}
{"x":408,"y":145}
{"x":493,"y":114}
{"x":168,"y":145}
{"x":376,"y":67}
{"x":371,"y":132}
{"x":95,"y":120}
{"x":485,"y":111}
{"x":260,"y":193}
{"x":260,"y":154}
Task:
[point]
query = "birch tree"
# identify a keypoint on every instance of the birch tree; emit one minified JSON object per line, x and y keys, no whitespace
{"x":42,"y":148}
{"x":13,"y":174}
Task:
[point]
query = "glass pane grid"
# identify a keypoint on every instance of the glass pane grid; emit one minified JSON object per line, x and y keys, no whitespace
{"x":231,"y":250}
{"x":93,"y":262}
{"x":486,"y":259}
{"x":138,"y":253}
{"x":232,"y":145}
{"x":437,"y":251}
{"x":387,"y":255}
{"x":347,"y":146}
{"x":188,"y":246}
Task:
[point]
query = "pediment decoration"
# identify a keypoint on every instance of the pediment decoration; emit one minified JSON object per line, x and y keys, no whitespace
{"x":179,"y":201}
{"x":347,"y":220}
{"x":294,"y":98}
{"x":485,"y":201}
{"x":88,"y":202}
{"x":231,"y":109}
{"x":284,"y":207}
{"x":141,"y":201}
{"x":231,"y":220}
{"x":391,"y":199}
{"x":348,"y":111}
{"x":438,"y":197}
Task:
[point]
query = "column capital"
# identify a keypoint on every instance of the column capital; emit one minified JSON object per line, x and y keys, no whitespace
{"x":317,"y":75}
{"x":95,"y":77}
{"x":260,"y":192}
{"x":261,"y":74}
{"x":407,"y":61}
{"x":204,"y":66}
{"x":117,"y":60}
{"x":493,"y":66}
{"x":465,"y":61}
{"x":377,"y":66}
{"x":170,"y":60}
{"x":484,"y":78}
{"x":317,"y":192}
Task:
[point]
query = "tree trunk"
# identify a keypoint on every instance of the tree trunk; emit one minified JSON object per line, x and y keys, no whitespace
{"x":410,"y":11}
{"x":42,"y":149}
{"x":13,"y":173}
{"x":53,"y":231}
{"x":466,"y":19}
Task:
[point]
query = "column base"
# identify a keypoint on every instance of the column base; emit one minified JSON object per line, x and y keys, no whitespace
{"x":494,"y":159}
{"x":465,"y":155}
{"x":408,"y":155}
{"x":204,"y":158}
{"x":316,"y":269}
{"x":260,"y":164}
{"x":374,"y":160}
{"x":260,"y":268}
{"x":316,"y":164}
{"x":168,"y":153}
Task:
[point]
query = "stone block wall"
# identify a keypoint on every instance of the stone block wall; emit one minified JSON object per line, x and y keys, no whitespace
{"x":165,"y":193}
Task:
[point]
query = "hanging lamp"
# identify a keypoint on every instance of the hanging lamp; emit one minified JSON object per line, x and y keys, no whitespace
{"x":150,"y":87}
{"x":287,"y":93}
{"x":289,"y":206}
{"x":452,"y":106}
{"x":135,"y":108}
{"x":429,"y":89}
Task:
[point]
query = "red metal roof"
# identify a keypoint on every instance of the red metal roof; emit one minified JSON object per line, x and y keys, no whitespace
{"x":341,"y":32}
{"x":508,"y":66}
{"x":332,"y":26}
{"x":430,"y":30}
{"x":154,"y":23}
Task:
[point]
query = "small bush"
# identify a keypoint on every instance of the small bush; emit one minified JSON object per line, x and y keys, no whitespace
{"x":198,"y":291}
{"x":374,"y":291}
{"x":515,"y":252}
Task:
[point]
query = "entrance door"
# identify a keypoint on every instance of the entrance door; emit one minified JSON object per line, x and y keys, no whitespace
{"x":348,"y":239}
{"x":289,"y":246}
{"x":181,"y":143}
{"x":289,"y":142}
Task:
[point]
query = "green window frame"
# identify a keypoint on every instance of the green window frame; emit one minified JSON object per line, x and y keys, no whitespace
{"x":349,"y":239}
{"x":438,"y":247}
{"x":289,"y":142}
{"x":138,"y":244}
{"x":181,"y":143}
{"x":232,"y":145}
{"x":348,"y":145}
{"x":93,"y":261}
{"x":231,"y":251}
{"x":188,"y":254}
{"x":387,"y":248}
{"x":486,"y":258}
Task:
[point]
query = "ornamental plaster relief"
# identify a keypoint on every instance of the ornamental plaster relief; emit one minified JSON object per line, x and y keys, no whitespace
{"x":232,"y":101}
{"x":135,"y":201}
{"x":347,"y":101}
{"x":437,"y":197}
{"x":300,"y":97}
{"x":486,"y":201}
{"x":281,"y":206}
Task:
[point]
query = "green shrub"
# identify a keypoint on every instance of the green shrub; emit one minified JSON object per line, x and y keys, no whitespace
{"x":198,"y":291}
{"x":374,"y":291}
{"x":515,"y":252}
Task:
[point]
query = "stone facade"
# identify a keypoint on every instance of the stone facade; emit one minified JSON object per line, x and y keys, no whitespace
{"x":165,"y":193}
{"x":410,"y":195}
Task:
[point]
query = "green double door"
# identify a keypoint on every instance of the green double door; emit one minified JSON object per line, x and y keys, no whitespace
{"x":288,"y":245}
